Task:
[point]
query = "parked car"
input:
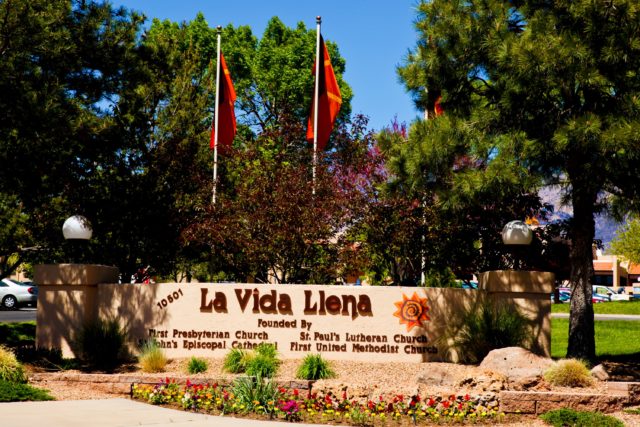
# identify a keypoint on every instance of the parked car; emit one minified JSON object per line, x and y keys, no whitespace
{"x":564,"y":294}
{"x":611,"y":293}
{"x":14,"y":294}
{"x":632,"y":291}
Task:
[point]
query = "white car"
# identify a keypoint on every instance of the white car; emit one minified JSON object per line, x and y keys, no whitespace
{"x":14,"y":294}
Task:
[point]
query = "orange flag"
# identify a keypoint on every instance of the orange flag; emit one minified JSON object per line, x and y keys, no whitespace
{"x":329,"y":100}
{"x":437,"y":107}
{"x":226,"y":114}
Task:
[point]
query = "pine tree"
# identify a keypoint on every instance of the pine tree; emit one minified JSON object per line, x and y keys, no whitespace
{"x":534,"y":92}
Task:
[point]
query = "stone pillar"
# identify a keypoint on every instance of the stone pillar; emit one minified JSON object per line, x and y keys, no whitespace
{"x":529,"y":292}
{"x":67,"y":300}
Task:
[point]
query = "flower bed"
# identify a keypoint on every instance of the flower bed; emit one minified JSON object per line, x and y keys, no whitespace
{"x":251,"y":397}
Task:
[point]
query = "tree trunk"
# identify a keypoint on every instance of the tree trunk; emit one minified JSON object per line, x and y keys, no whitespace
{"x":581,"y":326}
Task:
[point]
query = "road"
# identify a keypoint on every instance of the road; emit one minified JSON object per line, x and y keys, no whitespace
{"x":632,"y":317}
{"x":23,"y":315}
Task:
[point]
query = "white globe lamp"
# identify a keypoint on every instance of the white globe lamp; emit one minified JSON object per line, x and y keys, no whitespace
{"x":516,"y":233}
{"x":77,"y":227}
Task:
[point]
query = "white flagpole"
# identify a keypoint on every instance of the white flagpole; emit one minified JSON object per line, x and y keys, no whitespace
{"x":215,"y":124}
{"x":316,"y":103}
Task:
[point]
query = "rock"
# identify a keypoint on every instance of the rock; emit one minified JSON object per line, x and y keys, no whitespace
{"x":600,"y":373}
{"x":437,"y":375}
{"x":517,"y":364}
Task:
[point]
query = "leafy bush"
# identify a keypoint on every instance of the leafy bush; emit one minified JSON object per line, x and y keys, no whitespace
{"x":255,"y":393}
{"x":10,"y":369}
{"x":314,"y":367}
{"x":261,"y":363}
{"x":197,"y":365}
{"x":490,"y":328}
{"x":152,"y":358}
{"x":569,"y":373}
{"x":236,"y":360}
{"x":18,"y":392}
{"x":101,"y":345}
{"x":569,"y":417}
{"x":16,"y":334}
{"x":262,"y":366}
{"x":267,"y":350}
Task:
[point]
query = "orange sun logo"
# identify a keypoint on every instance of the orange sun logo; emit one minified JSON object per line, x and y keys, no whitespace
{"x":412,"y":311}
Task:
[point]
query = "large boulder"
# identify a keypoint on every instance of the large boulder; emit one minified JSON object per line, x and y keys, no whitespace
{"x":518,"y":365}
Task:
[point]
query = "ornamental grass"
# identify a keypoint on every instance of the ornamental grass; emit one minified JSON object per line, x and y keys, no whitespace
{"x":259,"y":397}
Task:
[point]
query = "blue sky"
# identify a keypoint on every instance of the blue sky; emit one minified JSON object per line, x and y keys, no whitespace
{"x":373,"y":36}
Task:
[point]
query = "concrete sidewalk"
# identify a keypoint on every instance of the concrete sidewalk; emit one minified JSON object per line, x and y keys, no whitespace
{"x":112,"y":413}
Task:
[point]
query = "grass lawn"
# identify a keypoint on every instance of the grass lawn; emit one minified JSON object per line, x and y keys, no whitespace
{"x":614,"y":307}
{"x":613,"y":337}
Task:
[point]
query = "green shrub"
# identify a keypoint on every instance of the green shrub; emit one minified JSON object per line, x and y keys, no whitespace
{"x":254,"y":393}
{"x":101,"y":345}
{"x":490,"y":328}
{"x":314,"y":367}
{"x":10,"y":369}
{"x":236,"y":360}
{"x":197,"y":365}
{"x":152,"y":358}
{"x":262,"y":366}
{"x":569,"y":417}
{"x":17,"y":334}
{"x":267,"y":350}
{"x":569,"y":373}
{"x":18,"y":392}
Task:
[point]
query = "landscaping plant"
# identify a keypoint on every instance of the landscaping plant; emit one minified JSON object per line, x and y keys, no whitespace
{"x":255,"y":394}
{"x":314,"y":367}
{"x":235,"y":362}
{"x":491,"y":327}
{"x":262,"y":397}
{"x":19,"y":392}
{"x":569,"y":417}
{"x":197,"y":365}
{"x":569,"y":373}
{"x":101,"y":344}
{"x":261,"y":363}
{"x":152,"y":358}
{"x":10,"y":369}
{"x":262,"y":366}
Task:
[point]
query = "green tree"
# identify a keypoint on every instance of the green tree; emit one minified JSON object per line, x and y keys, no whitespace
{"x":627,"y":241}
{"x":62,"y":62}
{"x":533,"y":92}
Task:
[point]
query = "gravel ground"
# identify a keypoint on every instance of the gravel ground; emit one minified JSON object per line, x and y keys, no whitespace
{"x":359,"y":379}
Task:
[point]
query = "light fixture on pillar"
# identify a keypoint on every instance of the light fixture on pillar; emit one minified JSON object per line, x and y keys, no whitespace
{"x":517,"y":234}
{"x":77,"y":231}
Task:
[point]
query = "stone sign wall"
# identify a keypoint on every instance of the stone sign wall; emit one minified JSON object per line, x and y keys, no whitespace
{"x":340,"y":322}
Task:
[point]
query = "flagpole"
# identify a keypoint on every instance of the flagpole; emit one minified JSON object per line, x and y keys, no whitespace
{"x":215,"y":120}
{"x":316,"y":103}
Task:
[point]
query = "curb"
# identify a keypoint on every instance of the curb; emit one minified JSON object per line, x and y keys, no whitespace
{"x":622,"y":394}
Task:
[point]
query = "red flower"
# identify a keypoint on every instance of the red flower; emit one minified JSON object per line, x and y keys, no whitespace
{"x":467,"y":397}
{"x":446,"y":404}
{"x":452,"y":397}
{"x":295,"y":392}
{"x":344,"y":395}
{"x":460,"y":406}
{"x":431,"y":402}
{"x":283,"y":390}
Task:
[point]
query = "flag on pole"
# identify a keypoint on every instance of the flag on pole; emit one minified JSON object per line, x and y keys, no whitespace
{"x":226,"y":116}
{"x":437,"y":107}
{"x":329,"y":100}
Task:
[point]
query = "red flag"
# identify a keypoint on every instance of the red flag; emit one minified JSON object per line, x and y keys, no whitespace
{"x":437,"y":107}
{"x":225,"y":113}
{"x":329,"y":100}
